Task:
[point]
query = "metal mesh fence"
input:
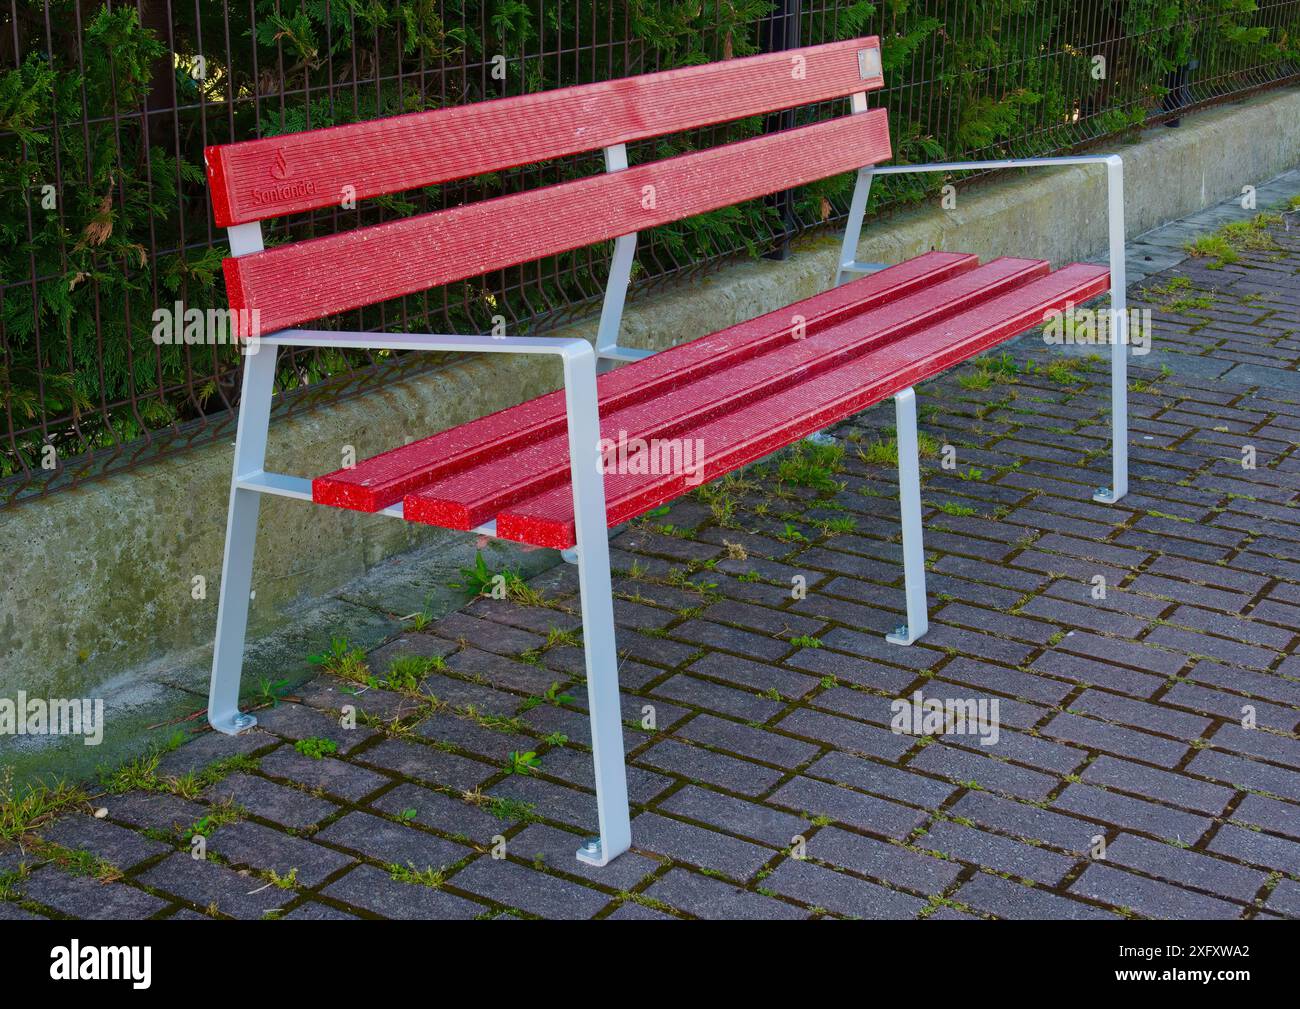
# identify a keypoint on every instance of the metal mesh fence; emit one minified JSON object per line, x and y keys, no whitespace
{"x":105,"y":109}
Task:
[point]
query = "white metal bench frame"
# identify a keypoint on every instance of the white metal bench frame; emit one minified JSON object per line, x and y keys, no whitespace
{"x":581,"y":362}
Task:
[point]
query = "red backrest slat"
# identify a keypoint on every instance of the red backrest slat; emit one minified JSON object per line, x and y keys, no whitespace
{"x":257,"y":179}
{"x":296,"y":283}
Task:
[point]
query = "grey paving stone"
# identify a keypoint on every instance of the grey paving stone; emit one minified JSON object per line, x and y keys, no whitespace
{"x":559,"y":803}
{"x":1140,"y":714}
{"x":258,"y":847}
{"x":441,"y":812}
{"x":696,"y":764}
{"x":1023,"y":748}
{"x":1187,"y":868}
{"x":819,"y":798}
{"x":297,"y":721}
{"x":850,"y":669}
{"x":714,"y":900}
{"x":576,"y":767}
{"x":1137,"y":814}
{"x":206,"y":884}
{"x":210,"y":747}
{"x":420,"y":645}
{"x":313,"y":911}
{"x":839,"y":892}
{"x":1256,"y":848}
{"x":1085,"y":669}
{"x":464,"y":694}
{"x":951,"y":914}
{"x":512,"y":885}
{"x":330,"y":695}
{"x":1271,"y":814}
{"x":503,"y":639}
{"x":846,"y":734}
{"x":428,"y":763}
{"x":376,"y":891}
{"x":156,"y":811}
{"x":336,"y":777}
{"x":890,"y":863}
{"x":1257,"y":743}
{"x":713,"y":696}
{"x":1179,"y":789}
{"x":707,"y":849}
{"x":1128,"y":653}
{"x":747,"y":741}
{"x":1232,"y":706}
{"x":731,"y":639}
{"x":883,"y":779}
{"x":1015,"y":901}
{"x":632,"y":911}
{"x":1285,"y":898}
{"x":1003,"y":680}
{"x":87,"y":897}
{"x":1150,"y":897}
{"x":392,"y":843}
{"x":467,"y":734}
{"x":271,"y":801}
{"x":748,"y":673}
{"x":1220,"y":649}
{"x":992,"y":851}
{"x":1023,"y":820}
{"x":1114,"y":739}
{"x":12,"y":912}
{"x":116,"y":845}
{"x":736,"y":816}
{"x":1244,"y":773}
{"x":501,"y":672}
{"x":557,"y":849}
{"x":994,"y":775}
{"x":876,"y":648}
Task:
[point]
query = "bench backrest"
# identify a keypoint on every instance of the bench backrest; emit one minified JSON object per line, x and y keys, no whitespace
{"x":292,"y":284}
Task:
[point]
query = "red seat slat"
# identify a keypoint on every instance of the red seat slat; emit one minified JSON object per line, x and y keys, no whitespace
{"x":384,"y":479}
{"x":463,"y":500}
{"x":308,"y":280}
{"x":257,"y":179}
{"x":761,"y":427}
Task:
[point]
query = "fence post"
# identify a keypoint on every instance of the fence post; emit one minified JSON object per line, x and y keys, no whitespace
{"x":780,"y":30}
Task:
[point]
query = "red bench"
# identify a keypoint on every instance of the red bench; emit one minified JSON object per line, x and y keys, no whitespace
{"x":535,"y":473}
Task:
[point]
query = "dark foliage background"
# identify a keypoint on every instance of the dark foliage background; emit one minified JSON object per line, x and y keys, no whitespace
{"x":105,"y":109}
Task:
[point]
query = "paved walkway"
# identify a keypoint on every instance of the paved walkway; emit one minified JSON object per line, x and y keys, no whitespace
{"x":1122,"y":782}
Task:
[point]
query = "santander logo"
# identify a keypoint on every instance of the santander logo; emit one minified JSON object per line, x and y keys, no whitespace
{"x":286,"y":188}
{"x":280,"y":170}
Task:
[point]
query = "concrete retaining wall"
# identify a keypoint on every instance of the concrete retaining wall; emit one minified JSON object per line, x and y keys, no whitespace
{"x":98,"y":580}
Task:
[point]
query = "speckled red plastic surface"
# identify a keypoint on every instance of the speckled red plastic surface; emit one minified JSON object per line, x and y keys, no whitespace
{"x":465,"y":500}
{"x":257,"y":179}
{"x":292,"y":284}
{"x":384,"y":479}
{"x":741,"y":394}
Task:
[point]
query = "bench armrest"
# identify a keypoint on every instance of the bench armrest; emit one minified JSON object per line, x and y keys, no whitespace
{"x":1116,"y":248}
{"x":570,"y":348}
{"x":581,"y":400}
{"x":964,"y":166}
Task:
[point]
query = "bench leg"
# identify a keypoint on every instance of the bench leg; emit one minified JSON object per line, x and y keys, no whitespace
{"x":1119,"y":337}
{"x":241,"y":535}
{"x":909,"y":500}
{"x":596,"y":591}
